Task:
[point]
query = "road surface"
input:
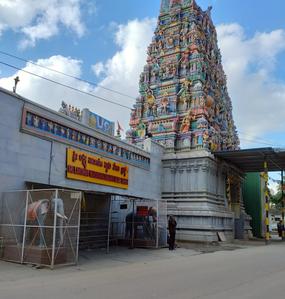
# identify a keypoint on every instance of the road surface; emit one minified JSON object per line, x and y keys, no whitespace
{"x":254,"y":272}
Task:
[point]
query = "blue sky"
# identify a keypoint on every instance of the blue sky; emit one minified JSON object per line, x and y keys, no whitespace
{"x":97,"y":44}
{"x":105,"y":41}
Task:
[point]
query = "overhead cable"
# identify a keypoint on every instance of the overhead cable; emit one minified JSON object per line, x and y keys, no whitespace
{"x":67,"y":75}
{"x":66,"y":86}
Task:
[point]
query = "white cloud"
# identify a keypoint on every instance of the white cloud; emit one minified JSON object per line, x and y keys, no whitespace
{"x":40,"y":19}
{"x":250,"y":64}
{"x":2,"y":28}
{"x":98,"y":68}
{"x":44,"y":92}
{"x":121,"y":73}
{"x":123,"y":69}
{"x":274,"y":187}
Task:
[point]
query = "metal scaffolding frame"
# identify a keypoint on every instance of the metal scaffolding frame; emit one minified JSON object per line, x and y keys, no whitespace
{"x":40,"y":227}
{"x":47,"y":227}
{"x":137,"y":222}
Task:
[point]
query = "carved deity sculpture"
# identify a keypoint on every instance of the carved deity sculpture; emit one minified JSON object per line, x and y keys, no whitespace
{"x":186,"y":123}
{"x":141,"y":129}
{"x":154,"y":110}
{"x":165,"y":5}
{"x":164,"y":104}
{"x":185,"y":95}
{"x":150,"y":100}
{"x":175,"y":2}
{"x":64,"y":108}
{"x":175,"y":124}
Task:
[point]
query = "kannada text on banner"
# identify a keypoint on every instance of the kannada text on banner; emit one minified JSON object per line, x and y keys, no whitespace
{"x":94,"y":169}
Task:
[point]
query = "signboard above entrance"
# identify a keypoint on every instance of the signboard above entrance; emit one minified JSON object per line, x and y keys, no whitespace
{"x":81,"y":166}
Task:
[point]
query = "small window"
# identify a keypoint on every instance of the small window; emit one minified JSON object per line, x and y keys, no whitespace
{"x":123,"y":207}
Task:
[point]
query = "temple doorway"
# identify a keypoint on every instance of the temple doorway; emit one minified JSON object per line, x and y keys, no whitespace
{"x":94,"y":221}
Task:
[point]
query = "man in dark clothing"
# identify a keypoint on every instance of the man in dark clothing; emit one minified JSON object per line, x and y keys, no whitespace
{"x":172,"y":231}
{"x":280,"y":228}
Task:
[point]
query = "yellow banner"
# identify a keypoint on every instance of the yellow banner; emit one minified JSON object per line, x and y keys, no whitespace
{"x":81,"y":166}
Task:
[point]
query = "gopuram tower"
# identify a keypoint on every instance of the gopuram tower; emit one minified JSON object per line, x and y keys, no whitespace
{"x":184,"y":100}
{"x":184,"y":106}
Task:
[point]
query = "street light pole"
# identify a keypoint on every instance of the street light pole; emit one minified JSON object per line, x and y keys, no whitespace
{"x":266,"y":192}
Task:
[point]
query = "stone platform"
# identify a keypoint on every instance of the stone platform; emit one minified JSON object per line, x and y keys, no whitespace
{"x":34,"y":255}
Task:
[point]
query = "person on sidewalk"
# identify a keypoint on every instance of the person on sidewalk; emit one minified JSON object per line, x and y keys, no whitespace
{"x":172,"y":232}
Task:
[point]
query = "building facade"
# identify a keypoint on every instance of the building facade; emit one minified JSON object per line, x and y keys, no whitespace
{"x":34,"y":144}
{"x":183,"y":115}
{"x":47,"y":157}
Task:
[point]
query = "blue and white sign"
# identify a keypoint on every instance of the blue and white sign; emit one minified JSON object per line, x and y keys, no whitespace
{"x":98,"y":122}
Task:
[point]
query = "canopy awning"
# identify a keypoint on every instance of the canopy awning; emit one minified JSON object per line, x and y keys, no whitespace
{"x":252,"y":160}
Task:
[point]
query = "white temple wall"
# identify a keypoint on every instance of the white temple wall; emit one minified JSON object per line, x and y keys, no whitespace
{"x":26,"y":157}
{"x":198,"y":200}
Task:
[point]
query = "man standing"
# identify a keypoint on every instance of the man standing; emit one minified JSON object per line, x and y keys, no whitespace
{"x":280,"y":228}
{"x":172,"y":232}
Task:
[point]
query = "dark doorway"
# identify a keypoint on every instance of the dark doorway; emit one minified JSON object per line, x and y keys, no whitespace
{"x":94,"y":221}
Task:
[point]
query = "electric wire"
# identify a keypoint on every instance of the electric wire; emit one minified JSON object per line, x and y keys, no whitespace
{"x":66,"y":86}
{"x":264,"y":141}
{"x":273,"y":162}
{"x":275,"y":180}
{"x":64,"y":74}
{"x":276,"y":164}
{"x":256,"y":140}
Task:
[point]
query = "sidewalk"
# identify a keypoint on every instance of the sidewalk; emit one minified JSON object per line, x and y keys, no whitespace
{"x":119,"y":256}
{"x":94,"y":260}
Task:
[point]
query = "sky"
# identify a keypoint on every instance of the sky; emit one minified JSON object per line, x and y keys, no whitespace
{"x":105,"y":42}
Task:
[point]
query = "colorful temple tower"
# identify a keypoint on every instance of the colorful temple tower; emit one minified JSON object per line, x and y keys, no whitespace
{"x":184,"y":102}
{"x":184,"y":105}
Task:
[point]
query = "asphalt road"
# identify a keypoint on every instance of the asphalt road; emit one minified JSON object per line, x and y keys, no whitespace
{"x":255,"y":272}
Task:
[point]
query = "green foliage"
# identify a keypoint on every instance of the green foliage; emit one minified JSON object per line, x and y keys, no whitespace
{"x":276,"y":199}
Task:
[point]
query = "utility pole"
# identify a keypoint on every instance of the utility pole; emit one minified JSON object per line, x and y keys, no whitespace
{"x":266,"y":192}
{"x":283,"y":204}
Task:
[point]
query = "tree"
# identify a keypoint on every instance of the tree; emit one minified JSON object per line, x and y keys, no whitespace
{"x":276,"y":199}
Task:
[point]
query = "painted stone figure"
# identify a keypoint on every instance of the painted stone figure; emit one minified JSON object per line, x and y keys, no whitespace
{"x":164,"y":105}
{"x":164,"y":6}
{"x":185,"y":126}
{"x":141,"y":130}
{"x":150,"y":102}
{"x":36,"y":215}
